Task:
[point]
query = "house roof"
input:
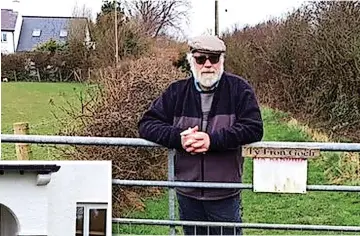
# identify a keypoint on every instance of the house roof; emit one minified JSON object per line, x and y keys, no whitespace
{"x":8,"y":19}
{"x":21,"y":168}
{"x":36,"y":30}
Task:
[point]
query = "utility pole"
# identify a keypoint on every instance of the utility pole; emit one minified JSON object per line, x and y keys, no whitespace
{"x":216,"y":18}
{"x":116,"y":36}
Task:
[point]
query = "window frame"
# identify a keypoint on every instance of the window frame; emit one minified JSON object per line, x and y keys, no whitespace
{"x":4,"y":39}
{"x":36,"y":33}
{"x":63,"y":33}
{"x":86,"y":220}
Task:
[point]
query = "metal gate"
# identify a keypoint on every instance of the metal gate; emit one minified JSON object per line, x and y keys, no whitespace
{"x":171,"y":184}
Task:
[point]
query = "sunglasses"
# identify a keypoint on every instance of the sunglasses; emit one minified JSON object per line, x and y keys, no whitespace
{"x":202,"y":59}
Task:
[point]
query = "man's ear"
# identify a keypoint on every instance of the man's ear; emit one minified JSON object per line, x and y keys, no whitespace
{"x":222,"y":57}
{"x":189,"y":57}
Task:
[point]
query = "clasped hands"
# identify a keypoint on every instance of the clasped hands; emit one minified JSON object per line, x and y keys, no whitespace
{"x":195,"y":141}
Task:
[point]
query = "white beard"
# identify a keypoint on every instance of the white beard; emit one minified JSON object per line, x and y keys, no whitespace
{"x":207,"y":80}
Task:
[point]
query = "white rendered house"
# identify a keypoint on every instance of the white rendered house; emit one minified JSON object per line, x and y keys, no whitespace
{"x":55,"y":198}
{"x":11,"y":22}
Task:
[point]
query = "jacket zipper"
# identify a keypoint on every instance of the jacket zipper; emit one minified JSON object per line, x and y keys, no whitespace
{"x":198,"y":96}
{"x":202,"y":159}
{"x":206,"y":129}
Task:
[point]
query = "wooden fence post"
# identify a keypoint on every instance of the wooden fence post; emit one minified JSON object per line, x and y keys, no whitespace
{"x":23,"y":150}
{"x":15,"y":76}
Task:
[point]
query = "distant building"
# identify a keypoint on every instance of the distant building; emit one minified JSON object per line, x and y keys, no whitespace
{"x":24,"y":33}
{"x":36,"y":30}
{"x":10,"y":30}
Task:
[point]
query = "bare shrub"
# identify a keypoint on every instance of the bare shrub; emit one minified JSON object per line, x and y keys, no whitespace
{"x":306,"y":64}
{"x":11,"y":63}
{"x":123,"y":96}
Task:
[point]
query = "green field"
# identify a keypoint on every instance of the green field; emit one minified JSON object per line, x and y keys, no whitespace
{"x":30,"y":102}
{"x":36,"y":103}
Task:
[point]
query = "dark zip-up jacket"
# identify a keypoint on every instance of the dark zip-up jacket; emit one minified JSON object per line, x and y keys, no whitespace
{"x":234,"y":120}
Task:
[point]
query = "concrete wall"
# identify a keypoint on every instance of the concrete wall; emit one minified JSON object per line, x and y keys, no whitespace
{"x":51,"y":209}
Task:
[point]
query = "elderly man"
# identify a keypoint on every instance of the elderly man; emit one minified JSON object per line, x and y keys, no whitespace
{"x":206,"y":118}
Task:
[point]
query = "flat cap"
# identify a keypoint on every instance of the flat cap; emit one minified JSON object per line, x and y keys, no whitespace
{"x":207,"y":43}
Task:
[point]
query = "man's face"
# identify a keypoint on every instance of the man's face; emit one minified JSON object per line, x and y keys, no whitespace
{"x":207,"y":68}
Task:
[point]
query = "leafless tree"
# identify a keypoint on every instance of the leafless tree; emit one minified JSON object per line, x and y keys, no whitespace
{"x":159,"y":16}
{"x":81,"y":18}
{"x":82,"y":11}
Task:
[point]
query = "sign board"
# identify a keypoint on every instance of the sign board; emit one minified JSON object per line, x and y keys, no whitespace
{"x":280,"y":170}
{"x":280,"y":175}
{"x":280,"y":152}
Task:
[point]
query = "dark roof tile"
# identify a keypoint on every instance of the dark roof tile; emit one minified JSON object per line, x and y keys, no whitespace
{"x":8,"y":19}
{"x":50,"y":28}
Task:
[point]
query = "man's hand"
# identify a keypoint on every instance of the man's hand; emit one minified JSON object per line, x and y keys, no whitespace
{"x":186,"y":139}
{"x":201,"y":143}
{"x":194,"y":141}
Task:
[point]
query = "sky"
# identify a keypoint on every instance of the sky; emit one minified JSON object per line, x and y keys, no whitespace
{"x":201,"y":15}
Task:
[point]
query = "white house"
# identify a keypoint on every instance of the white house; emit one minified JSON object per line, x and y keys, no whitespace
{"x":11,"y":22}
{"x":55,"y":198}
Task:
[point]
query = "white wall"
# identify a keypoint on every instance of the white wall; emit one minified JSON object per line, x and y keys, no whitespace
{"x":8,"y":46}
{"x":51,"y":209}
{"x":27,"y":201}
{"x":89,"y":182}
{"x":17,"y":30}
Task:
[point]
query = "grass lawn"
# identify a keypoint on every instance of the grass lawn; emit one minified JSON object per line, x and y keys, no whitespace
{"x":30,"y":102}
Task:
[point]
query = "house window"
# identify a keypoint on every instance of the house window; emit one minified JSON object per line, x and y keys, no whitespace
{"x":91,"y":219}
{"x":36,"y":32}
{"x":3,"y":37}
{"x":63,"y":33}
{"x":79,"y":221}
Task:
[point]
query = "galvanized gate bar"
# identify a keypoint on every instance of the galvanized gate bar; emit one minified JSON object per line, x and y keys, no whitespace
{"x":83,"y":140}
{"x":171,"y":177}
{"x":242,"y":225}
{"x":80,"y":140}
{"x":151,"y":183}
